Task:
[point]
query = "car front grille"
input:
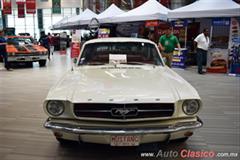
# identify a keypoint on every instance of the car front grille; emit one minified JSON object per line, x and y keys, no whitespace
{"x":123,"y":111}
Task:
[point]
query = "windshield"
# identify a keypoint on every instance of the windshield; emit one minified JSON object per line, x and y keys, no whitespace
{"x":20,"y":40}
{"x":125,"y":52}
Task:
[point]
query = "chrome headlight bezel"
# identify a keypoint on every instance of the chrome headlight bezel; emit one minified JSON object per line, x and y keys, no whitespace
{"x":191,"y":107}
{"x":55,"y":107}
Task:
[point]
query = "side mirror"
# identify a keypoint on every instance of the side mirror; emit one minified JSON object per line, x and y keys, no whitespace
{"x":82,"y":60}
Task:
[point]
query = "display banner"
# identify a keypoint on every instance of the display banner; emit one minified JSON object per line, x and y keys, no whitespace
{"x":221,"y":21}
{"x":217,"y":60}
{"x":103,"y":33}
{"x":40,"y":18}
{"x":151,"y":23}
{"x":75,"y":45}
{"x":179,"y":58}
{"x":31,"y":6}
{"x":7,"y":7}
{"x":179,"y":23}
{"x":56,"y":6}
{"x":21,"y":9}
{"x":234,"y":46}
{"x":75,"y":49}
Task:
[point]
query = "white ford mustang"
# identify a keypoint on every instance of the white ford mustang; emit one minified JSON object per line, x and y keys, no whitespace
{"x":121,"y":93}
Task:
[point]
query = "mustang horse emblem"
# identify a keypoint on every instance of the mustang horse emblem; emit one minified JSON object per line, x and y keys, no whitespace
{"x":123,"y":112}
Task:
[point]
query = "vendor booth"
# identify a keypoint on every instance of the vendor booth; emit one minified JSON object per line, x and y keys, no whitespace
{"x":207,"y":14}
{"x":75,"y":21}
{"x":84,"y":19}
{"x":150,"y":10}
{"x":107,"y":15}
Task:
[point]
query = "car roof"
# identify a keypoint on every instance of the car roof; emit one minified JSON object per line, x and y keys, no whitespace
{"x":119,"y":39}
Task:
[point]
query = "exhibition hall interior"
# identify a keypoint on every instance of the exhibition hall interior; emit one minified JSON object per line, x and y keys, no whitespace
{"x":119,"y":79}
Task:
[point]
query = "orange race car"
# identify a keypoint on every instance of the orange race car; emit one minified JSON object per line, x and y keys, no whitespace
{"x":23,"y":49}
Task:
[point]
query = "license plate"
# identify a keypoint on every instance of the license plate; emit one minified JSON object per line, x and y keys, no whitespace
{"x":125,"y":140}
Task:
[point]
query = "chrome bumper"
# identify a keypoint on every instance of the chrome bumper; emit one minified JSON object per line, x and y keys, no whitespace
{"x":27,"y":58}
{"x":127,"y":131}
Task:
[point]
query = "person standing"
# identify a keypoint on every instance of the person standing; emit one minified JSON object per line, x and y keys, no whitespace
{"x":151,"y":36}
{"x":3,"y":51}
{"x":50,"y":39}
{"x":44,"y":41}
{"x":201,"y":45}
{"x":167,"y":44}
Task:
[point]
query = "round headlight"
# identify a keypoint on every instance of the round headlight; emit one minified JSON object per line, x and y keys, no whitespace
{"x":190,"y":107}
{"x":55,"y":108}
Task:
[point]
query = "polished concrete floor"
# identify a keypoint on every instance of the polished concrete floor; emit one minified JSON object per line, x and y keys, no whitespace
{"x":22,"y":136}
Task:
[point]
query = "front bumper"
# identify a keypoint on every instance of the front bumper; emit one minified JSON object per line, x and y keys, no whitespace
{"x":32,"y":58}
{"x":75,"y":129}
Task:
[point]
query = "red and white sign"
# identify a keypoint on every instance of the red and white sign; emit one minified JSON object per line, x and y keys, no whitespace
{"x":75,"y":49}
{"x":151,"y":23}
{"x":21,"y":9}
{"x":7,"y":7}
{"x":31,"y":6}
{"x":217,"y":61}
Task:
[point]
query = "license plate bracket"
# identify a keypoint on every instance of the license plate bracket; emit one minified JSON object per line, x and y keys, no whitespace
{"x":125,"y":140}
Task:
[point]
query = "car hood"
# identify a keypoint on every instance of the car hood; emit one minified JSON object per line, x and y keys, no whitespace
{"x":25,"y":48}
{"x":122,"y":84}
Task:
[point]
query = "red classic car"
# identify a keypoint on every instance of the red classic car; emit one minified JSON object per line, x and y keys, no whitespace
{"x":23,"y":49}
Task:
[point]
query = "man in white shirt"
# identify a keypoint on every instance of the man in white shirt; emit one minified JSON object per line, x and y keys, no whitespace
{"x":201,"y":43}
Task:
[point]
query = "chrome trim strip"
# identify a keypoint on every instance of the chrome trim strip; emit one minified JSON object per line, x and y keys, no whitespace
{"x":111,"y":131}
{"x":96,"y":111}
{"x":26,"y":58}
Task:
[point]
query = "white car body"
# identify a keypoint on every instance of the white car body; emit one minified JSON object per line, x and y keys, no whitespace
{"x":122,"y":85}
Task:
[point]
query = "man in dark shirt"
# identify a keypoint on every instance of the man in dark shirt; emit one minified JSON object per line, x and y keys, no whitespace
{"x":44,"y":41}
{"x":3,"y":51}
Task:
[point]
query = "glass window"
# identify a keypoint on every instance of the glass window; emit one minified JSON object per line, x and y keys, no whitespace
{"x":136,"y":53}
{"x":27,"y":24}
{"x":47,"y":12}
{"x":67,"y":12}
{"x":11,"y":21}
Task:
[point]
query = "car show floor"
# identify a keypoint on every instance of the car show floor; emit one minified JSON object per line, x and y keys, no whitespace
{"x":23,"y":137}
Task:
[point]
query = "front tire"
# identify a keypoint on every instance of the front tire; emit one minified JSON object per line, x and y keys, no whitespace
{"x":42,"y":63}
{"x":29,"y":64}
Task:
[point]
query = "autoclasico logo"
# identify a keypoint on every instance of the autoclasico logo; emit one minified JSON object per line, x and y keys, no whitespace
{"x":188,"y":154}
